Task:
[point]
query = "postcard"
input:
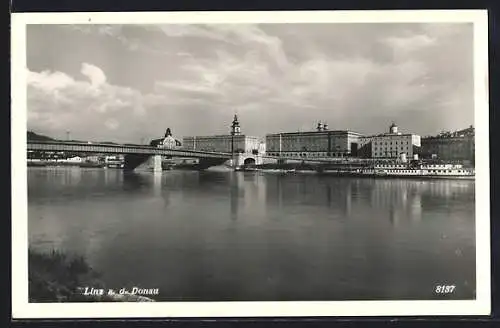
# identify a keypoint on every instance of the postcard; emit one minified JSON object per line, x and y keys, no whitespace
{"x":250,"y":164}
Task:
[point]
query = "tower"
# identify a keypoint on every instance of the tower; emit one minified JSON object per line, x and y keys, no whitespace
{"x":169,"y":141}
{"x":393,"y":129}
{"x":320,"y":126}
{"x":235,"y":126}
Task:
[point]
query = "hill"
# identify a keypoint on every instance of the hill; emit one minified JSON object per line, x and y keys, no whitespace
{"x":38,"y":137}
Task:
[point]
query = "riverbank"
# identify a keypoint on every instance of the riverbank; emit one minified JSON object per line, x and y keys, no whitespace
{"x":59,"y":277}
{"x":54,"y":163}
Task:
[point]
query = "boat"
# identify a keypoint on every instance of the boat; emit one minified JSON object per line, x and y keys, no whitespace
{"x":115,"y":162}
{"x":114,"y":165}
{"x":421,"y":170}
{"x":246,"y":169}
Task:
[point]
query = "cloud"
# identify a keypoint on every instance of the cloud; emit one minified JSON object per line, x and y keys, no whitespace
{"x":94,"y":73}
{"x":112,"y":124}
{"x":406,"y":45}
{"x":48,"y":81}
{"x":58,"y":102}
{"x":278,"y":77}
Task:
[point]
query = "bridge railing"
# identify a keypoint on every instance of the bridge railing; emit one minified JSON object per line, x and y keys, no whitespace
{"x":118,"y":149}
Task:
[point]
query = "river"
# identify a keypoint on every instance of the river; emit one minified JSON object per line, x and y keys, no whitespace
{"x":203,"y":236}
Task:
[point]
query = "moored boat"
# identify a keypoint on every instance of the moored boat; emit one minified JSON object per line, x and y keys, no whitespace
{"x":246,"y":168}
{"x":420,"y":170}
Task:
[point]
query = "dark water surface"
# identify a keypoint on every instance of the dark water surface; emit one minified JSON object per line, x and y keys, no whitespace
{"x":254,"y":236}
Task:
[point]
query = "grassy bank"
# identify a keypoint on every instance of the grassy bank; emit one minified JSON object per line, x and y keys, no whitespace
{"x":58,"y":277}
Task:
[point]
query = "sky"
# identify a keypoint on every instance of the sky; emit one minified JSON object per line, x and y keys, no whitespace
{"x":128,"y":83}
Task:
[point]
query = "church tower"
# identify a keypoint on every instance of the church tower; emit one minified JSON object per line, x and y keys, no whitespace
{"x":235,"y":126}
{"x":393,"y":129}
{"x":319,"y":127}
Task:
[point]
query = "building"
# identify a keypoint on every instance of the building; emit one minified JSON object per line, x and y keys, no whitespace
{"x":314,"y":144}
{"x":114,"y":158}
{"x":450,"y":146}
{"x":365,"y":147}
{"x":74,"y":159}
{"x":168,"y":141}
{"x":92,"y":159}
{"x":235,"y":142}
{"x":223,"y":143}
{"x":393,"y":145}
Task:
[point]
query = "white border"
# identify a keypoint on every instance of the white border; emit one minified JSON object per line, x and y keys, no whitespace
{"x":22,"y":309}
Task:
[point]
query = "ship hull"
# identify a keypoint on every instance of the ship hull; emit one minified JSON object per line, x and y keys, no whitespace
{"x":397,"y":176}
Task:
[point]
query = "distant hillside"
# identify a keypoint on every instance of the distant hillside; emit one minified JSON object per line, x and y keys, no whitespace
{"x":32,"y":136}
{"x":38,"y":137}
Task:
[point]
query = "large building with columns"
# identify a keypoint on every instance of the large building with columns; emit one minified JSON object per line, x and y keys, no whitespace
{"x":320,"y":143}
{"x":324,"y":143}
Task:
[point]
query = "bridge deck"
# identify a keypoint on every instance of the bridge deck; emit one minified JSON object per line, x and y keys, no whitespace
{"x":77,"y":147}
{"x":121,"y":149}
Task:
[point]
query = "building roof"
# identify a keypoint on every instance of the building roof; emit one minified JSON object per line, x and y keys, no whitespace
{"x":314,"y":133}
{"x":467,"y":132}
{"x":222,"y":136}
{"x":394,"y":135}
{"x":448,"y":139}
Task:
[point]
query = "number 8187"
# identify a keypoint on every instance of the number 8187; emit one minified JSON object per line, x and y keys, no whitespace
{"x":444,"y":289}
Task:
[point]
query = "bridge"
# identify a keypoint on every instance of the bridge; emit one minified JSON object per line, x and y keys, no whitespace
{"x":135,"y":155}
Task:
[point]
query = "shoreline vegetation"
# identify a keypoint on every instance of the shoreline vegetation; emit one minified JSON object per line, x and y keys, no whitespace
{"x":56,"y":277}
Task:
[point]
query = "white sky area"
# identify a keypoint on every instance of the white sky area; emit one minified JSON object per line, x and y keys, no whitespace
{"x":127,"y":83}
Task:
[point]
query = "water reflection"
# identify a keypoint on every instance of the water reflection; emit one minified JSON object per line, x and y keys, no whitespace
{"x":235,"y":186}
{"x":250,"y":236}
{"x":398,"y":198}
{"x":132,"y":181}
{"x":247,"y":194}
{"x":328,"y":195}
{"x":157,"y":183}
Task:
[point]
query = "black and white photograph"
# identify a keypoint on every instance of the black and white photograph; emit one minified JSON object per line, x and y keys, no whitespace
{"x":250,"y":164}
